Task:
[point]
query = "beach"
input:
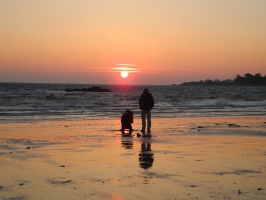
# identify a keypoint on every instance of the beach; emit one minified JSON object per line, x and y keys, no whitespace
{"x":70,"y":70}
{"x":186,"y":158}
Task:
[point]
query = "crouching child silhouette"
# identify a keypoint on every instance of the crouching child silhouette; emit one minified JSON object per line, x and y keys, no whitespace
{"x":126,"y":121}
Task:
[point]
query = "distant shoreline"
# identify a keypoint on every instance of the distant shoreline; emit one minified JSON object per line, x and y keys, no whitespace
{"x":248,"y":80}
{"x":203,"y":84}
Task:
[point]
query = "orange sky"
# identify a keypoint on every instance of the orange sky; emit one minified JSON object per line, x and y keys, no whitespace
{"x":166,"y":42}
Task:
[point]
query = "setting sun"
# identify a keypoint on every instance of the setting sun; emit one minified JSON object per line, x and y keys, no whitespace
{"x":124,"y":70}
{"x":124,"y":74}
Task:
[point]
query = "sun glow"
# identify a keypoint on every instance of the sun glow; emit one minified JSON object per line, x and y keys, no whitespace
{"x":125,"y":70}
{"x":124,"y":74}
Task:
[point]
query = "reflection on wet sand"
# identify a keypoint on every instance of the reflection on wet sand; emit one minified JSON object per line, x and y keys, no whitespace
{"x":127,"y":142}
{"x":146,"y":157}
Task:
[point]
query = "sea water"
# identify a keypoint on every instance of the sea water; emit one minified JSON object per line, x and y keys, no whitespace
{"x":28,"y":102}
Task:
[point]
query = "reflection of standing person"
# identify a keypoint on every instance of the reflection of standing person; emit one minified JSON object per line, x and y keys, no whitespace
{"x":146,"y":103}
{"x":146,"y":157}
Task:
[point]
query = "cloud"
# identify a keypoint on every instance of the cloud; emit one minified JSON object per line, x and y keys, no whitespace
{"x":128,"y":69}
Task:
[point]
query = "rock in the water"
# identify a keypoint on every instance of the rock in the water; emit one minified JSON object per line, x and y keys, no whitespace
{"x":92,"y":89}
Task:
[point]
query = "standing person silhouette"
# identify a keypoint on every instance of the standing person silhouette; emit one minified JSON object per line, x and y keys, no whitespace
{"x":146,"y":103}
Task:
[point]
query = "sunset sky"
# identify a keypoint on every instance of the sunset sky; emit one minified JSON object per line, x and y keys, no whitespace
{"x":156,"y":41}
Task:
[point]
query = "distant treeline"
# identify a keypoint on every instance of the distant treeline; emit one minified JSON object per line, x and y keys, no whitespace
{"x":249,"y":79}
{"x":246,"y":80}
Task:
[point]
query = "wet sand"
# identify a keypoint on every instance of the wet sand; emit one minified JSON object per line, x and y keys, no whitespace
{"x":193,"y":158}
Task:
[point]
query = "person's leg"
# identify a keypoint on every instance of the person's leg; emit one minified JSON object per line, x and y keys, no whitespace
{"x":123,"y":129}
{"x":149,"y":120}
{"x":143,"y":117}
{"x":130,"y":129}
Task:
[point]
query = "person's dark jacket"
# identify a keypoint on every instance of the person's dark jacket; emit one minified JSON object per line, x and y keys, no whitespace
{"x":127,"y":118}
{"x":146,"y":101}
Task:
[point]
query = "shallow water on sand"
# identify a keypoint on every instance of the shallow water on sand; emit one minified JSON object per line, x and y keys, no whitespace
{"x":189,"y":158}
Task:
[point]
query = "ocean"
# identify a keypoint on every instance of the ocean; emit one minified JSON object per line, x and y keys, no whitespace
{"x":30,"y":102}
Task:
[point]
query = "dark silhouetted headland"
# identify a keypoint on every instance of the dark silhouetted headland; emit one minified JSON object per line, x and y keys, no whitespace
{"x":246,"y":80}
{"x":92,"y":89}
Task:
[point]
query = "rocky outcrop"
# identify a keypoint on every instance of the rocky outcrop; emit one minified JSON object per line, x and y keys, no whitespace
{"x":92,"y":89}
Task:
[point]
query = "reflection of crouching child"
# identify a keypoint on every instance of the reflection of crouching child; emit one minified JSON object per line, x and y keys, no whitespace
{"x":127,"y":120}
